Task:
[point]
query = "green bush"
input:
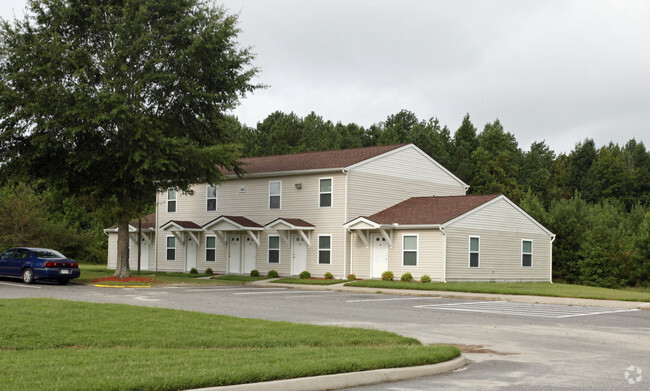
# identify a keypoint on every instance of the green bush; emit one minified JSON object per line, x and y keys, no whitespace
{"x":425,"y":279}
{"x":305,"y":275}
{"x":194,"y":271}
{"x":208,"y":271}
{"x":273,"y":274}
{"x":406,"y":277}
{"x":352,"y":277}
{"x":387,"y":276}
{"x":255,"y":273}
{"x":329,"y":276}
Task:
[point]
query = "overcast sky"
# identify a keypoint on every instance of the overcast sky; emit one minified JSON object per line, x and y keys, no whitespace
{"x":558,"y":71}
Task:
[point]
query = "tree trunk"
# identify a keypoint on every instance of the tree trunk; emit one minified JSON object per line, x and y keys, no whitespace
{"x":122,"y":269}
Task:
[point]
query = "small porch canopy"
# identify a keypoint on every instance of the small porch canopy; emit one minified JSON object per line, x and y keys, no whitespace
{"x":223,"y":224}
{"x":181,"y":229}
{"x":363,"y":225}
{"x":148,"y":229}
{"x":286,"y":226}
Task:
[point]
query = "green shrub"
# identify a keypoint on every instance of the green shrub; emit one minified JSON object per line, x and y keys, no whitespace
{"x":329,"y":276}
{"x":352,"y":277}
{"x":255,"y":273}
{"x":406,"y":277}
{"x":208,"y":271}
{"x":273,"y":274}
{"x":194,"y":271}
{"x":387,"y":276}
{"x":305,"y":275}
{"x":425,"y":279}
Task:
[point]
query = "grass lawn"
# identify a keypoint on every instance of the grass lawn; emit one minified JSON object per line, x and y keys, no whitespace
{"x":309,"y":281}
{"x":48,"y":344}
{"x":91,"y":272}
{"x":512,"y":288}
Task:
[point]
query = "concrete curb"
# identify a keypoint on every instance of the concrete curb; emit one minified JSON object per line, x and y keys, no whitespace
{"x":472,"y":296}
{"x":344,"y":380}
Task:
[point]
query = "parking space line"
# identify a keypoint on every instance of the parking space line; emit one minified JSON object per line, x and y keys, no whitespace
{"x":524,"y":309}
{"x":391,"y":299}
{"x":312,"y":295}
{"x":21,"y":285}
{"x":230,"y":289}
{"x":601,"y":313}
{"x":261,"y":293}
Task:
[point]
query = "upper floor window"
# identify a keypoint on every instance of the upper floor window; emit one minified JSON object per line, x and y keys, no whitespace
{"x":325,"y":193}
{"x":324,"y":249}
{"x":275,"y":194}
{"x":526,"y":253}
{"x":211,"y":197}
{"x":410,"y":250}
{"x":171,"y":200}
{"x":474,"y":251}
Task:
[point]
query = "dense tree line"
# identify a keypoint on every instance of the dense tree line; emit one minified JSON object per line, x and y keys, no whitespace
{"x":596,"y":199}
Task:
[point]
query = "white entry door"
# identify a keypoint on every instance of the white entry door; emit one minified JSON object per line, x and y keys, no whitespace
{"x":250,"y":254}
{"x":379,"y":255}
{"x":190,"y":253}
{"x":234,"y":254}
{"x":144,"y":255}
{"x":298,"y":255}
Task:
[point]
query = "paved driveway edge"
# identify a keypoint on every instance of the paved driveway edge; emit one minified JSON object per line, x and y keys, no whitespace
{"x":351,"y":379}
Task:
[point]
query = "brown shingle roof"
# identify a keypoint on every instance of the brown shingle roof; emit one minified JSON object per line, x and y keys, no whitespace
{"x":312,"y":160}
{"x":183,"y":224}
{"x":241,"y":220}
{"x":148,"y":222}
{"x":430,"y":210}
{"x":294,"y":222}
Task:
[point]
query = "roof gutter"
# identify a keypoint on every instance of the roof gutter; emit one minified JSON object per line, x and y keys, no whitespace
{"x":283,"y":173}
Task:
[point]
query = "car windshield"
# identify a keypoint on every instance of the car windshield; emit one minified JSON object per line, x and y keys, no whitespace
{"x":43,"y":253}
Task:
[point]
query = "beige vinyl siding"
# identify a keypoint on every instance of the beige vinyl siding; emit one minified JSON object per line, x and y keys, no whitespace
{"x":133,"y":254}
{"x":430,"y":255}
{"x":501,"y":228}
{"x":253,"y":204}
{"x":112,"y":250}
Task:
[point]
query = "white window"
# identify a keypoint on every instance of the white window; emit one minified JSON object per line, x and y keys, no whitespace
{"x":324,"y":249}
{"x":211,"y":198}
{"x":274,"y":249}
{"x":210,"y":248}
{"x":171,"y":248}
{"x":474,"y":251}
{"x":171,"y":200}
{"x":275,"y":194}
{"x":325,"y":193}
{"x":526,"y":253}
{"x":409,"y":250}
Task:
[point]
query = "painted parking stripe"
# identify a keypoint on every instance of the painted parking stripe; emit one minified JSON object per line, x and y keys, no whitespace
{"x":278,"y":290}
{"x":230,"y":289}
{"x":21,"y":285}
{"x":391,"y":299}
{"x":524,"y":309}
{"x":313,"y":294}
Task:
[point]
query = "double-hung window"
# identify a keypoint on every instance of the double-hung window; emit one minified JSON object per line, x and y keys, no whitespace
{"x":409,"y":250}
{"x":526,"y":253}
{"x":211,"y":198}
{"x":324,"y":249}
{"x":474,"y":251}
{"x":274,"y":249}
{"x":171,"y":248}
{"x":325,"y":193}
{"x":275,"y":194}
{"x":171,"y":200}
{"x":210,"y":248}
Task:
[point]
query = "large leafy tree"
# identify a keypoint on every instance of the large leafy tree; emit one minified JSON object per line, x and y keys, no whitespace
{"x":119,"y":99}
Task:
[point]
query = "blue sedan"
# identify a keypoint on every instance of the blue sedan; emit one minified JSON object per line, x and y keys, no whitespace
{"x":32,"y":264}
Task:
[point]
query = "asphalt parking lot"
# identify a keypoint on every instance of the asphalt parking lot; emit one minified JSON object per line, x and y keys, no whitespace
{"x":510,"y":345}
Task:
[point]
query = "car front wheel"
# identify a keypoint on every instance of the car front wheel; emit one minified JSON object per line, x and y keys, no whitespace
{"x":63,"y":281}
{"x":28,"y":276}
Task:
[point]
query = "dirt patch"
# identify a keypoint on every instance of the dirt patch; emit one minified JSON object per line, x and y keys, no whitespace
{"x":480,"y":349}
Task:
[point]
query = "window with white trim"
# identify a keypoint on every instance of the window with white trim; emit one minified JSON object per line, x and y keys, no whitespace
{"x":171,"y":200}
{"x":210,"y":248}
{"x":171,"y":248}
{"x":275,"y":194}
{"x":325,"y":193}
{"x":526,"y":253}
{"x":274,"y":249}
{"x":325,"y":249}
{"x":474,"y":251}
{"x":409,"y":250}
{"x":211,"y":198}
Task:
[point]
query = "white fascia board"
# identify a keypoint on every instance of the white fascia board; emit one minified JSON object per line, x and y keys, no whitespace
{"x":371,"y":223}
{"x":208,"y":227}
{"x":413,"y":226}
{"x":501,"y":197}
{"x":285,"y":173}
{"x":290,"y":227}
{"x":171,"y":226}
{"x":387,"y":153}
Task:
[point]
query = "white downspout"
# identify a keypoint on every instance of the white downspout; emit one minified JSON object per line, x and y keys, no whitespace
{"x":345,"y":234}
{"x":155,"y":250}
{"x":550,"y":259}
{"x":444,"y":255}
{"x":352,"y":243}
